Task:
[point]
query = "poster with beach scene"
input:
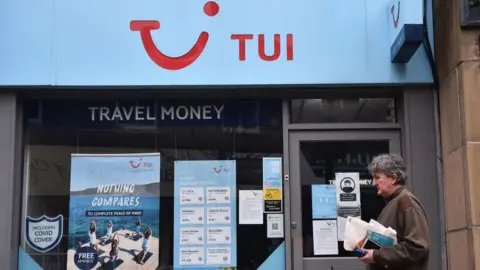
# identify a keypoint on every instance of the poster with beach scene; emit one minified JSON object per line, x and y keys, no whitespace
{"x":114,"y":211}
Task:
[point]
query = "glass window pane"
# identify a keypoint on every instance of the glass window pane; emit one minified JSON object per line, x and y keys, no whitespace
{"x":319,"y":161}
{"x":354,"y":110}
{"x":241,"y":136}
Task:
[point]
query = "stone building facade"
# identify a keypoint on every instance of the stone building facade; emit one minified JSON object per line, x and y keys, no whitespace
{"x":458,"y":67}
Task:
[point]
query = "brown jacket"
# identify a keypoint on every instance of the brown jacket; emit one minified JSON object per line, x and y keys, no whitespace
{"x":405,"y":214}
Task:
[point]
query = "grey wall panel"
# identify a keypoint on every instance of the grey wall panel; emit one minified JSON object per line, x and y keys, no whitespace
{"x":10,"y":191}
{"x":419,"y":138}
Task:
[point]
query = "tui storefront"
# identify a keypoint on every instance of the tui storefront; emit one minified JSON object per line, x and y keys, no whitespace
{"x":119,"y":104}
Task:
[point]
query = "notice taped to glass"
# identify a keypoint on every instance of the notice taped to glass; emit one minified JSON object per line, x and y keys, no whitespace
{"x":343,"y":214}
{"x":272,"y":185}
{"x":275,"y":226}
{"x":250,"y":206}
{"x":348,"y":189}
{"x":272,"y":206}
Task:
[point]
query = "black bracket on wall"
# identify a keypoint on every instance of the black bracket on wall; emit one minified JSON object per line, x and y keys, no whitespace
{"x":469,"y":13}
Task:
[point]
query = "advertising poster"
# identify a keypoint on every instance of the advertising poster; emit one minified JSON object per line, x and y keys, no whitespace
{"x":205,"y":220}
{"x":272,"y":185}
{"x":324,"y":204}
{"x":114,"y":211}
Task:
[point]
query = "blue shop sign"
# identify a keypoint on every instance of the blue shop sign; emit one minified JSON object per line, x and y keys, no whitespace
{"x":144,"y":113}
{"x":205,"y":43}
{"x":406,"y":29}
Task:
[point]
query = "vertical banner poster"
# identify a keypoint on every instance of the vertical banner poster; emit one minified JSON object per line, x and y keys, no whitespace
{"x":272,"y":185}
{"x":205,"y":220}
{"x":114,"y":211}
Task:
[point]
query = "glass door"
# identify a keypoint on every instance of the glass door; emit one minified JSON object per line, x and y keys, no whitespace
{"x":315,"y":157}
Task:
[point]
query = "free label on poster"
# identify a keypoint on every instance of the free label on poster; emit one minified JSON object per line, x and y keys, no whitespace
{"x":218,"y":215}
{"x":218,"y":195}
{"x":192,"y":195}
{"x":192,"y":256}
{"x":219,"y":235}
{"x":192,"y":215}
{"x":192,"y":236}
{"x":218,"y":256}
{"x":85,"y":258}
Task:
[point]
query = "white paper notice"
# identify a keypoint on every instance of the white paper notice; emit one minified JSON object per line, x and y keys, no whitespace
{"x":348,"y":189}
{"x":343,"y":214}
{"x":325,"y":237}
{"x":218,"y":195}
{"x":275,"y":226}
{"x":192,"y":236}
{"x":192,"y":195}
{"x":192,"y":256}
{"x":218,"y":215}
{"x":192,"y":215}
{"x":219,"y":235}
{"x":218,"y":256}
{"x":250,"y":206}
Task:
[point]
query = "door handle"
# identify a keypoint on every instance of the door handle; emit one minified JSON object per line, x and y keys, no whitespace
{"x":294,"y":225}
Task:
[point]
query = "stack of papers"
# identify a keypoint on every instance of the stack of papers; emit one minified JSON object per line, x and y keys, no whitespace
{"x":363,"y":235}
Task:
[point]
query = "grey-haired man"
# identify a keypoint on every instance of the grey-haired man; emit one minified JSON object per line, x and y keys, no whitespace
{"x":404,"y":213}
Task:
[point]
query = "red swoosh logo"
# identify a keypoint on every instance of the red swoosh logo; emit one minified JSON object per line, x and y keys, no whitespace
{"x":392,"y":11}
{"x":162,"y":60}
{"x":137,"y":165}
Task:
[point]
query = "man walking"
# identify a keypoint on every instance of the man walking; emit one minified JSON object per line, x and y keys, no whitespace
{"x":403,"y":213}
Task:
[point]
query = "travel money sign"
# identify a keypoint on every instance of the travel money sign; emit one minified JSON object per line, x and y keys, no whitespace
{"x":117,"y":113}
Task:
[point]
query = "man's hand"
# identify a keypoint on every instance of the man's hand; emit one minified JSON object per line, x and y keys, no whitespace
{"x":368,"y":258}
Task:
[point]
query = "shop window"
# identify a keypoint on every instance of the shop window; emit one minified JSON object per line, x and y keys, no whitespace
{"x":246,"y":132}
{"x":334,"y":110}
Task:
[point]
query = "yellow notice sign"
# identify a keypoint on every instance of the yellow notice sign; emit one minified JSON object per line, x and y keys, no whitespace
{"x":272,"y":194}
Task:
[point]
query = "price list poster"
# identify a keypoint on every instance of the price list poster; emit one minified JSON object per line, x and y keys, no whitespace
{"x":205,"y":214}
